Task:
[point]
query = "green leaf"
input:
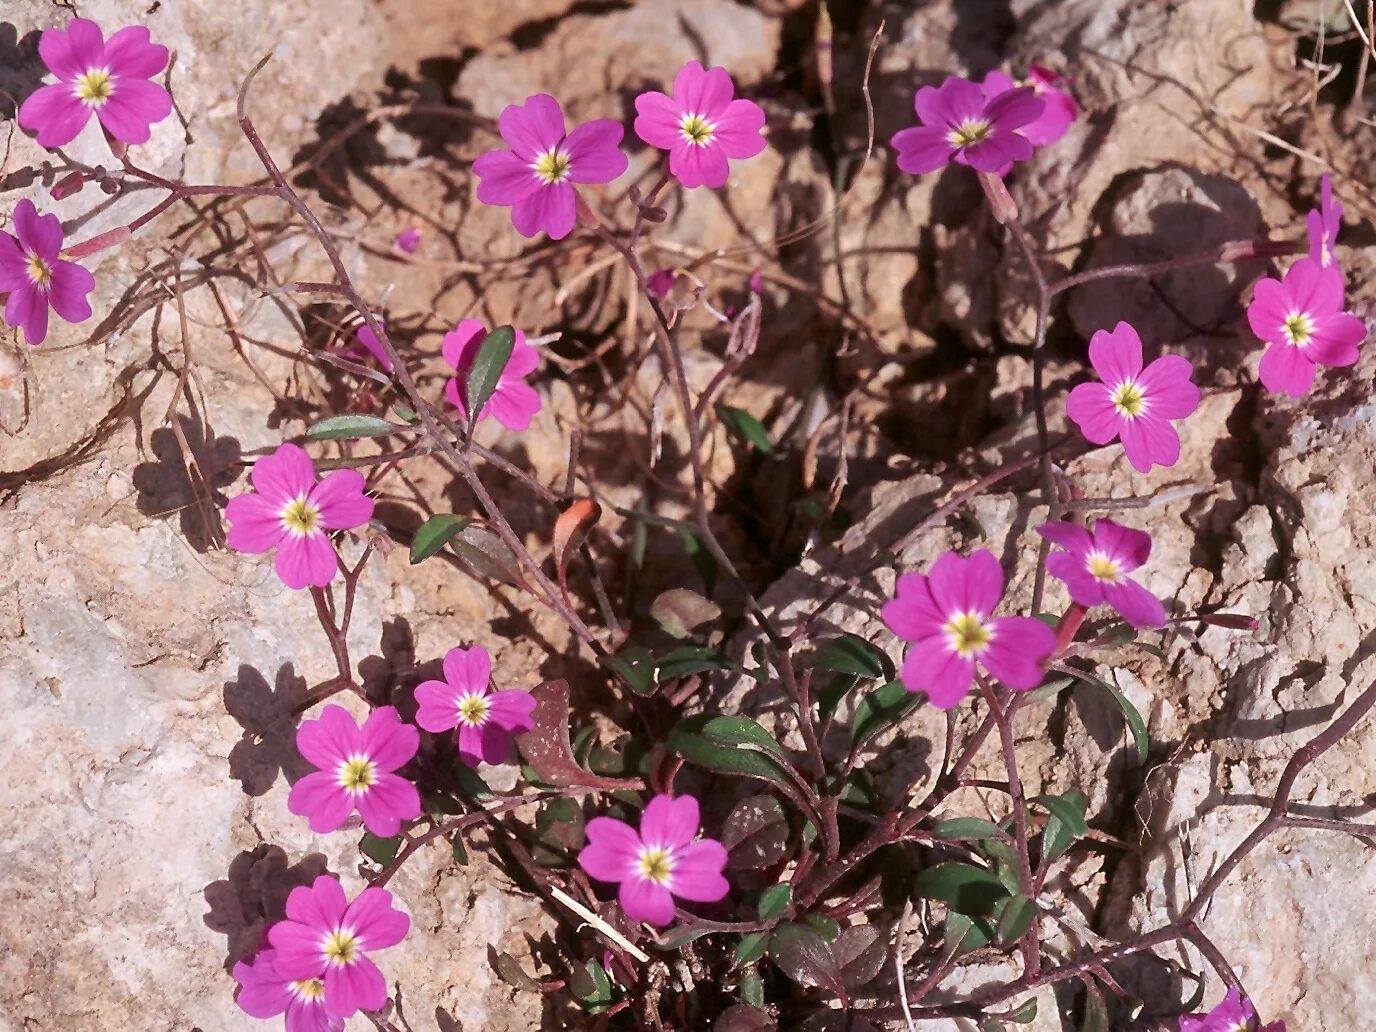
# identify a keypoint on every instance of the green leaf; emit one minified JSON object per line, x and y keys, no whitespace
{"x":592,"y":987}
{"x":1067,"y":812}
{"x":824,"y":926}
{"x":804,"y":956}
{"x":381,"y":851}
{"x":487,"y":554}
{"x":1024,"y":1014}
{"x":751,"y":948}
{"x":1015,"y":917}
{"x":1140,"y":738}
{"x":964,"y":888}
{"x":635,"y":666}
{"x":486,"y":371}
{"x":350,"y":425}
{"x":733,"y":745}
{"x":752,"y":990}
{"x":774,"y":901}
{"x":1053,"y":687}
{"x":963,"y":934}
{"x":880,"y":709}
{"x":434,"y":534}
{"x":688,"y":660}
{"x":405,"y":413}
{"x":964,"y":828}
{"x":471,"y":783}
{"x":745,"y":426}
{"x":460,"y":853}
{"x":852,"y":654}
{"x":1059,"y":834}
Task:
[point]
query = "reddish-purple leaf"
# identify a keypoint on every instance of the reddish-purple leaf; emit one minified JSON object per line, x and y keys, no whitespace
{"x":549,"y":751}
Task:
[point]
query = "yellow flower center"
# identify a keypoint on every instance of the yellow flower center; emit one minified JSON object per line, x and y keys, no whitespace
{"x":1298,"y":328}
{"x":697,"y":130}
{"x":970,"y":131}
{"x":95,"y":87}
{"x":357,"y":774}
{"x":39,"y":271}
{"x":300,"y":516}
{"x":552,"y":167}
{"x":473,"y":710}
{"x":1129,"y":399}
{"x":967,"y":633}
{"x":309,"y":989}
{"x":1101,"y":567}
{"x":655,"y":864}
{"x":341,"y":947}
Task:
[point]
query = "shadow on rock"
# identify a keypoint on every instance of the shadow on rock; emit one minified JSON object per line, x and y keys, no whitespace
{"x":188,"y":485}
{"x":21,"y":69}
{"x":268,"y":744}
{"x":254,"y":895}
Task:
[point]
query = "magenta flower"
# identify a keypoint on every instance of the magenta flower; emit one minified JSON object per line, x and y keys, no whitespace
{"x":1324,"y":223}
{"x":408,"y":240}
{"x":486,"y":720}
{"x":1234,"y":1014}
{"x":107,"y":78}
{"x":1302,"y":318}
{"x":356,"y":771}
{"x":1095,"y":565}
{"x":34,"y":277}
{"x":662,"y":860}
{"x":660,"y":282}
{"x":959,"y":123}
{"x":1133,"y":403}
{"x":1060,"y":107}
{"x":289,"y":511}
{"x":947,"y":615}
{"x":700,"y":125}
{"x":325,"y":937}
{"x":265,"y":993}
{"x":536,"y":176}
{"x":514,"y":402}
{"x":369,"y":340}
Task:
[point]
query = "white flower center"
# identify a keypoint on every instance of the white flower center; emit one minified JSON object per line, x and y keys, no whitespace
{"x":552,"y":166}
{"x":967,"y":634}
{"x":1103,"y":568}
{"x":357,"y":774}
{"x":655,"y":864}
{"x":473,"y":710}
{"x":697,"y":130}
{"x":1129,"y":399}
{"x":94,"y":88}
{"x":300,"y":517}
{"x":340,"y":947}
{"x":40,"y":272}
{"x":1298,"y":328}
{"x":309,"y":988}
{"x":970,"y":131}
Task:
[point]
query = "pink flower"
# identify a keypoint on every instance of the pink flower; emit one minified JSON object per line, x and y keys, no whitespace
{"x":959,"y":123}
{"x":355,"y":771}
{"x":289,"y":511}
{"x":1094,"y":566}
{"x":327,"y":938}
{"x":408,"y":240}
{"x":1056,"y":116}
{"x":947,"y":615}
{"x":1302,"y":318}
{"x":1234,"y":1014}
{"x":110,"y":79}
{"x":369,"y":340}
{"x":660,"y":282}
{"x":700,"y":125}
{"x":34,"y":277}
{"x":486,"y":720}
{"x":1324,"y":223}
{"x":1133,"y":403}
{"x":536,"y":176}
{"x":663,"y":860}
{"x":266,"y":994}
{"x":514,"y":402}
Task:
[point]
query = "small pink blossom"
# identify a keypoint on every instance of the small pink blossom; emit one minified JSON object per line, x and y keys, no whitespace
{"x":701,"y":126}
{"x":356,"y":771}
{"x":1133,"y":403}
{"x":961,"y":124}
{"x":408,"y":240}
{"x":110,"y":79}
{"x":326,"y":937}
{"x":369,"y":340}
{"x":1302,"y":318}
{"x":35,"y":278}
{"x":948,"y":617}
{"x":1095,"y":565}
{"x":662,"y":860}
{"x":1234,"y":1014}
{"x":265,"y":993}
{"x":1058,"y":114}
{"x":290,"y":511}
{"x":1324,"y":223}
{"x":536,"y":176}
{"x":660,"y":282}
{"x":486,"y":720}
{"x":514,"y":402}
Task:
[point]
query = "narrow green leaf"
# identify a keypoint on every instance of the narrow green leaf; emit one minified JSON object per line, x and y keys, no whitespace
{"x":825,"y":927}
{"x":486,"y":371}
{"x":745,"y":426}
{"x":963,"y":934}
{"x":852,"y":654}
{"x":751,"y":948}
{"x":690,"y":659}
{"x":880,"y":709}
{"x":405,"y":413}
{"x":964,"y":828}
{"x":1015,"y":917}
{"x":1024,"y":1014}
{"x":963,"y":887}
{"x":351,"y":425}
{"x":1071,"y":816}
{"x":1140,"y":738}
{"x":752,"y":989}
{"x":635,"y":666}
{"x":381,"y":851}
{"x":774,"y":901}
{"x":434,"y":534}
{"x":1059,"y":835}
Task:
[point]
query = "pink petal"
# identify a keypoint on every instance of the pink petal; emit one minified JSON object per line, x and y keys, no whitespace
{"x":341,"y":500}
{"x":470,"y":740}
{"x":704,"y":93}
{"x":952,"y":103}
{"x":494,"y":743}
{"x":551,"y":209}
{"x":1135,"y":604}
{"x":1090,"y":408}
{"x":387,"y":802}
{"x":1167,"y":387}
{"x":354,"y":987}
{"x":322,"y":800}
{"x":263,"y":993}
{"x":132,"y":109}
{"x":695,"y":166}
{"x":931,"y":666}
{"x":297,"y":946}
{"x":594,"y":154}
{"x":437,"y":706}
{"x":738,"y":129}
{"x":70,"y":285}
{"x":1149,"y":441}
{"x":513,"y":710}
{"x":1128,"y":547}
{"x":504,"y":178}
{"x":284,"y":475}
{"x":369,"y":340}
{"x":1084,"y":588}
{"x":1266,"y":314}
{"x":130,"y":52}
{"x":460,"y":346}
{"x":255,"y":524}
{"x":375,"y":920}
{"x":1318,"y":242}
{"x":670,"y":821}
{"x":14,"y":264}
{"x":1312,"y":288}
{"x":319,"y":906}
{"x":1116,"y":356}
{"x":39,"y":234}
{"x":643,"y":900}
{"x":27,"y":308}
{"x":330,"y":739}
{"x":922,"y":149}
{"x":514,"y":405}
{"x":523,"y":361}
{"x":1015,"y":653}
{"x":468,"y":670}
{"x":996,"y":152}
{"x":1285,"y":369}
{"x":533,"y":128}
{"x":913,"y":614}
{"x":1013,"y":109}
{"x":1070,"y":536}
{"x":972,"y":585}
{"x":386,"y":740}
{"x":612,"y":849}
{"x":996,"y":82}
{"x":1056,"y":118}
{"x":1335,"y":339}
{"x":657,"y":120}
{"x":311,"y":1016}
{"x":68,"y":54}
{"x":306,"y":560}
{"x":697,"y":872}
